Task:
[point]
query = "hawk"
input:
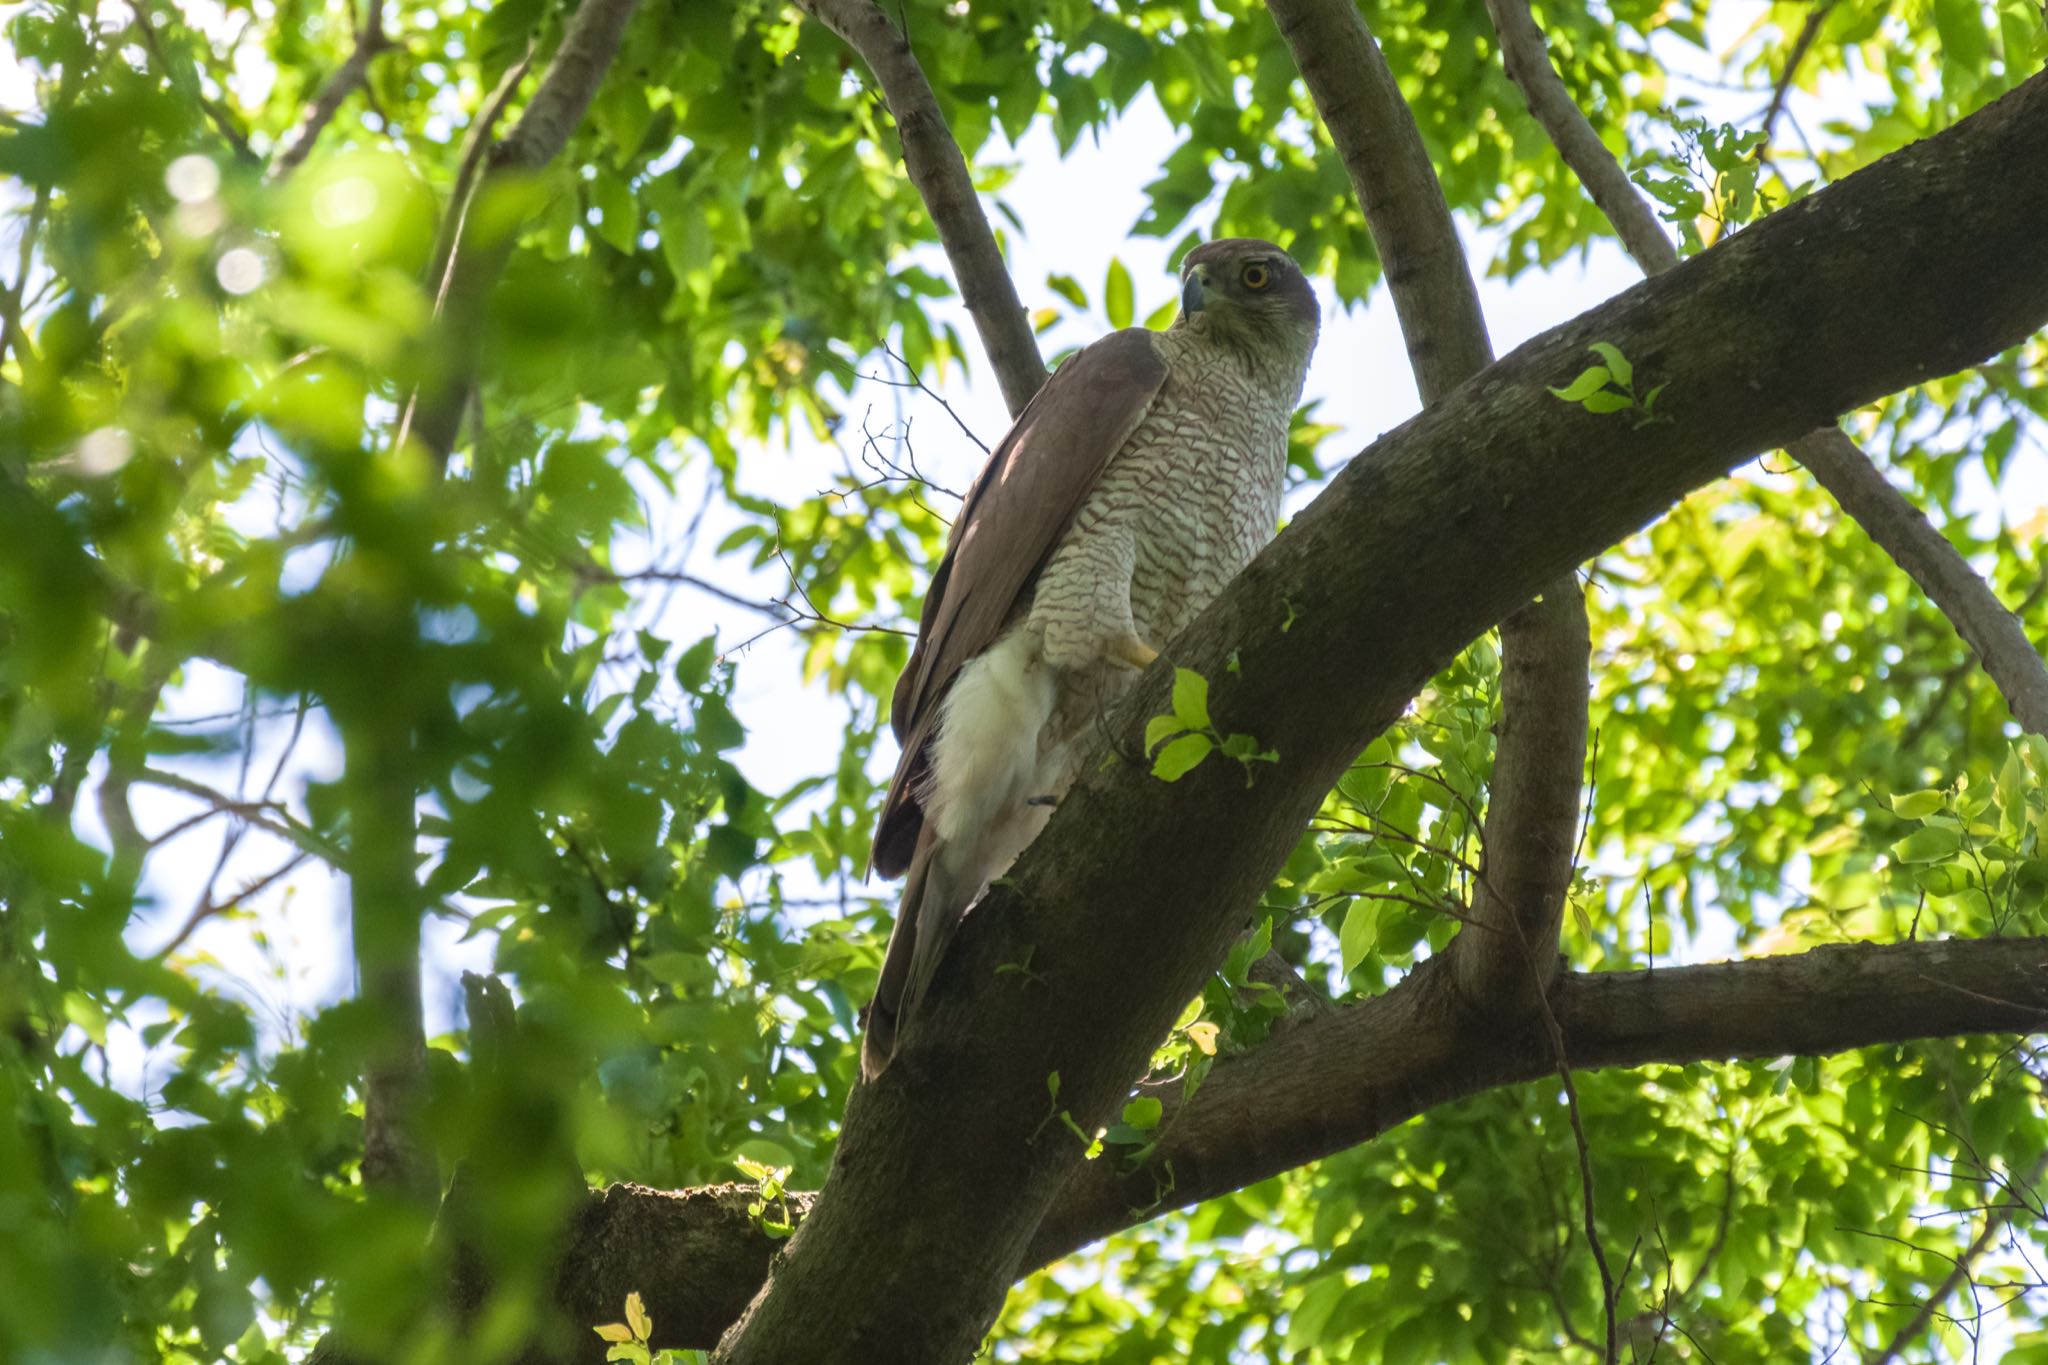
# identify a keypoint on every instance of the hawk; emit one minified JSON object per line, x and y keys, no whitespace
{"x":1141,"y":478}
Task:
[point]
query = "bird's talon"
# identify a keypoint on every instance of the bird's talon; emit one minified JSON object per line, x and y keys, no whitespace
{"x":1133,"y":651}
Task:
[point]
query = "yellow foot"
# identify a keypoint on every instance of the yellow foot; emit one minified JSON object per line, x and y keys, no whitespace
{"x":1133,"y":651}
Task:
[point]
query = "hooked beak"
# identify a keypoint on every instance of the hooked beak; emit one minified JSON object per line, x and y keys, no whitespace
{"x":1191,"y":293}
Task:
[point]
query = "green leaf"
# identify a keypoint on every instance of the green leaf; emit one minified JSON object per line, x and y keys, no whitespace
{"x":1617,"y":363}
{"x":1927,"y":845}
{"x":1359,"y":934}
{"x":1177,"y":758}
{"x":1917,"y":805}
{"x":618,"y":216}
{"x":1068,"y":288}
{"x":1191,"y":699}
{"x":1608,"y":401}
{"x":1142,"y":1113}
{"x":1160,"y":728}
{"x":1591,"y":380}
{"x":1118,"y":299}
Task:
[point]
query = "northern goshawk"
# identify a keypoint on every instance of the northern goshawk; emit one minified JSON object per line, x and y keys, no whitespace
{"x":1137,"y":483}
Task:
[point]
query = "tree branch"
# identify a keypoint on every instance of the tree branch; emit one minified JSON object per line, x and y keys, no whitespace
{"x":1532,"y":813}
{"x":1836,"y":462}
{"x":434,"y":416}
{"x":1527,"y":59}
{"x":216,"y":113}
{"x":1808,"y":31}
{"x":1994,"y":634}
{"x":336,"y":89}
{"x":697,"y":1257}
{"x":1441,"y":529}
{"x":939,"y":171}
{"x":1415,"y":1047}
{"x":1375,"y":135}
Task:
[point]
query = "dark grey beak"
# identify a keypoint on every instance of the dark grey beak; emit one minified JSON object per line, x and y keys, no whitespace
{"x":1191,"y":295}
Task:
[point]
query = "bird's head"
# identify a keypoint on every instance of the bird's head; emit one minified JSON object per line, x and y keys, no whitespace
{"x":1248,"y":293}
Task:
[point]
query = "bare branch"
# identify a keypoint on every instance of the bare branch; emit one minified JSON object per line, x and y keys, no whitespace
{"x":1808,"y":31}
{"x":1993,"y":633}
{"x":917,"y":381}
{"x":1337,"y":1081}
{"x":208,"y":907}
{"x":475,"y":143}
{"x":1527,"y":59}
{"x":346,"y":80}
{"x":939,"y":171}
{"x":1836,"y":462}
{"x":1376,"y":136}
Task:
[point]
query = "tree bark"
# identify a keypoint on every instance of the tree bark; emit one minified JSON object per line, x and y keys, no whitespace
{"x":1341,"y":1078}
{"x":939,"y":172}
{"x":1533,"y":811}
{"x":1434,"y":534}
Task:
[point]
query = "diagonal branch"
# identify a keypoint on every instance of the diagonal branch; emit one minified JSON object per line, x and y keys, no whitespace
{"x":216,"y":113}
{"x":1532,"y":813}
{"x":334,"y":91}
{"x":434,"y":415}
{"x":1808,"y":31}
{"x":1443,"y":527}
{"x":939,"y":172}
{"x":1997,"y":636}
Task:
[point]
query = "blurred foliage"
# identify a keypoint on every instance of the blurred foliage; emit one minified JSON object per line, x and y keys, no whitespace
{"x":200,"y":497}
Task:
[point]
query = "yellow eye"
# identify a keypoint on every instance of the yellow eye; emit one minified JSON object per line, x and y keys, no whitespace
{"x":1254,"y":276}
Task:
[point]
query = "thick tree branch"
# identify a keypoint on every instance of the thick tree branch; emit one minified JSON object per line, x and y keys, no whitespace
{"x":1444,"y":527}
{"x":346,"y":80}
{"x":1416,"y":1047}
{"x":697,"y":1257}
{"x":1532,"y":812}
{"x":434,"y":416}
{"x":1996,"y":636}
{"x":939,"y":172}
{"x":1375,"y":135}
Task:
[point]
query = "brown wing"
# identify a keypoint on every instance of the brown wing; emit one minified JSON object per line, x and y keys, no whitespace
{"x":1013,"y":516}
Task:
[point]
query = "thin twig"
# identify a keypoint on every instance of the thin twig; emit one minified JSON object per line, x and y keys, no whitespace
{"x":586,"y":572}
{"x":1808,"y":31}
{"x":474,"y":144}
{"x":208,"y":907}
{"x":917,"y":381}
{"x":268,"y":816}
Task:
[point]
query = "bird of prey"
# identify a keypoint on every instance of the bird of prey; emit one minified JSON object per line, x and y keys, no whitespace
{"x":1141,"y":478}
